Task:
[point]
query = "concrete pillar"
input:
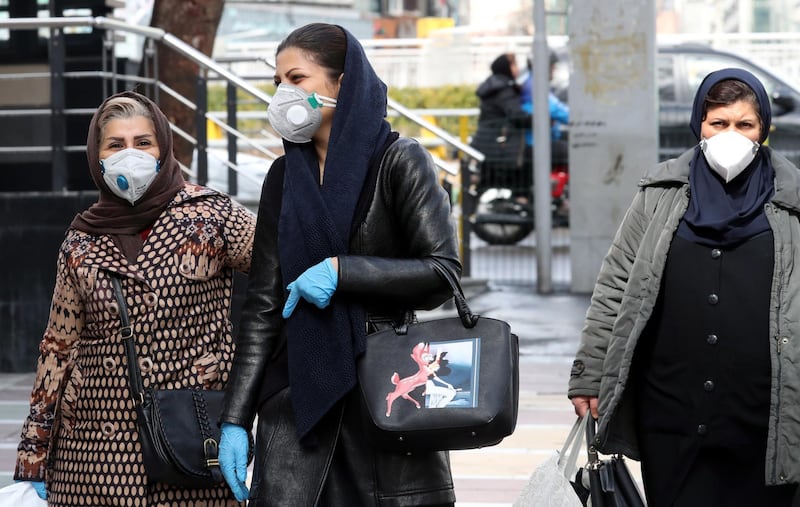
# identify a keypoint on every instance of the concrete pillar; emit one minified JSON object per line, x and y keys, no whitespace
{"x":613,"y":134}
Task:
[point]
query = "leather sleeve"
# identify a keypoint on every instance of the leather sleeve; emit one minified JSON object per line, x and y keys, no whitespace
{"x":260,"y":326}
{"x":413,"y":214}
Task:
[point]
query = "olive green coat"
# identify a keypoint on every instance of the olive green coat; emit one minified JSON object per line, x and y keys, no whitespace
{"x":626,"y":291}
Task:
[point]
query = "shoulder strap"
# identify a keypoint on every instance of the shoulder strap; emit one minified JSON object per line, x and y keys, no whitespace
{"x":126,"y":332}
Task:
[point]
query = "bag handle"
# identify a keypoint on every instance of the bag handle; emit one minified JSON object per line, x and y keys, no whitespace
{"x":573,"y":445}
{"x":468,"y":319}
{"x":126,"y":332}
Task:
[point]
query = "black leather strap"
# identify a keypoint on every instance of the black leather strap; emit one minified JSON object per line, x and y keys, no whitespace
{"x":126,"y":332}
{"x":210,"y":445}
{"x":468,"y":318}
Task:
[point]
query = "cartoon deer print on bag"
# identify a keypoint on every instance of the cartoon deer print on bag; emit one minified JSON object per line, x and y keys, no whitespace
{"x":421,"y":354}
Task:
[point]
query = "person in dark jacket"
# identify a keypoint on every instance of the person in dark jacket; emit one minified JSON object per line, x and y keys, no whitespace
{"x":349,"y":223}
{"x":500,"y":135}
{"x":689,"y":352}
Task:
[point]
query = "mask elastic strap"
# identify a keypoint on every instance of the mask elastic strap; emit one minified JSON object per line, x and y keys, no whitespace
{"x":318,"y":100}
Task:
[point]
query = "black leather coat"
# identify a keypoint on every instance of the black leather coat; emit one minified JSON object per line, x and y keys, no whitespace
{"x":403,"y":218}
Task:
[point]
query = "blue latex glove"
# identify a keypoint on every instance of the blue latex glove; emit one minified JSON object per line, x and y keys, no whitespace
{"x":233,"y":458}
{"x":40,"y":488}
{"x":316,"y":285}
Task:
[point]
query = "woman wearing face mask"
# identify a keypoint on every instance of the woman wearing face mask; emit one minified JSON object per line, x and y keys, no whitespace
{"x":174,"y":246}
{"x":691,"y":344}
{"x":350,"y":221}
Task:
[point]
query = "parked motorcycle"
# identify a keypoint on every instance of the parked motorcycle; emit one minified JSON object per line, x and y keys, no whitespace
{"x":504,"y":213}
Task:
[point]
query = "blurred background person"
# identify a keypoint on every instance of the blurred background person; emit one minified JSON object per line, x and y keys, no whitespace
{"x":559,"y":116}
{"x":500,"y":135}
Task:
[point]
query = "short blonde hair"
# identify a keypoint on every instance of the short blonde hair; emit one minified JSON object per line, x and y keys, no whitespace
{"x":120,"y":108}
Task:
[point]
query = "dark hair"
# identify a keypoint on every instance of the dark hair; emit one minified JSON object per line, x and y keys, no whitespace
{"x":322,"y":43}
{"x":502,"y":65}
{"x":729,"y":91}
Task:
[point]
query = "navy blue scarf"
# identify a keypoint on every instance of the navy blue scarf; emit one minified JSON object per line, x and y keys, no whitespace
{"x":315,"y":223}
{"x":721,"y":214}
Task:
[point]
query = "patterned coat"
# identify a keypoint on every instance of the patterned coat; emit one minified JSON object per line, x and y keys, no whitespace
{"x":82,"y":419}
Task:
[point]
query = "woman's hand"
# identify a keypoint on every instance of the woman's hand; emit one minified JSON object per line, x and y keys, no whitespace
{"x":316,"y":285}
{"x":583,"y":404}
{"x":233,"y":448}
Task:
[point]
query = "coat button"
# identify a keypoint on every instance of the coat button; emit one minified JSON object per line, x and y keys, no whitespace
{"x":145,"y":364}
{"x":712,"y":339}
{"x":150,"y":299}
{"x":702,"y":429}
{"x":109,"y":363}
{"x":107,"y":428}
{"x":713,"y":299}
{"x":708,"y":385}
{"x":716,"y":253}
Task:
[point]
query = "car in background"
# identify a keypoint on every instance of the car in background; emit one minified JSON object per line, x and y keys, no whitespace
{"x":680,"y":70}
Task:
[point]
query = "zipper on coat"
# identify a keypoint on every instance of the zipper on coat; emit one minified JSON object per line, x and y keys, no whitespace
{"x":772,"y":216}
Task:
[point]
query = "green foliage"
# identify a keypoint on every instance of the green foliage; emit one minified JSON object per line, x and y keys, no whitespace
{"x":444,"y":97}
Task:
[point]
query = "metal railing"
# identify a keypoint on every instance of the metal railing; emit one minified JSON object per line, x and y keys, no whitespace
{"x":209,"y":70}
{"x":418,"y":62}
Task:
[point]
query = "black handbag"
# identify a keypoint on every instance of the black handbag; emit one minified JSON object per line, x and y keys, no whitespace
{"x":610,"y":483}
{"x":178,"y":429}
{"x":444,"y":384}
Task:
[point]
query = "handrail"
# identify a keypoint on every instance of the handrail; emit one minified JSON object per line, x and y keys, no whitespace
{"x":413,"y":117}
{"x":149,"y":32}
{"x":193,"y":54}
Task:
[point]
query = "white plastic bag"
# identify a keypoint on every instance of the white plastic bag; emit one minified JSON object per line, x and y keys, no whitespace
{"x":20,"y":494}
{"x":549,"y":485}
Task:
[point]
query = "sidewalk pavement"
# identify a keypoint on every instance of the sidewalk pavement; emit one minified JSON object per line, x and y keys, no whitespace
{"x":548,"y":327}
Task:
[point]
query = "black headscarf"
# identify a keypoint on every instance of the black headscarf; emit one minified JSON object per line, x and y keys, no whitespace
{"x":721,"y":214}
{"x":315,"y":223}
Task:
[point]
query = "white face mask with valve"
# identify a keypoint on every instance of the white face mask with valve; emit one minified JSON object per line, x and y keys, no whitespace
{"x":729,"y":153}
{"x":129,"y":173}
{"x":295,"y":114}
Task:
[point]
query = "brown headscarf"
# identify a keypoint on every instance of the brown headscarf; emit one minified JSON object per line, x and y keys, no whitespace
{"x":114,"y":215}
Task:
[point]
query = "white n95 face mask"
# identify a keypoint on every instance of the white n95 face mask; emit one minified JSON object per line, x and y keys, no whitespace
{"x":295,"y":114}
{"x":729,"y":153}
{"x":129,"y":173}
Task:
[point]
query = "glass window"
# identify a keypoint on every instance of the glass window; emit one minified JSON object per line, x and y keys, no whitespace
{"x":666,"y":78}
{"x":5,"y":34}
{"x":698,"y":66}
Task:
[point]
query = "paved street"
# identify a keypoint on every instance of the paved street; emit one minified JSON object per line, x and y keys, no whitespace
{"x":548,"y":327}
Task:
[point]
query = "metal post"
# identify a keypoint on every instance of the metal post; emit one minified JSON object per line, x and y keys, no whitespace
{"x":104,"y":61}
{"x":467,"y":209}
{"x":541,"y":151}
{"x":202,"y":134}
{"x":152,"y":49}
{"x":112,"y":54}
{"x":233,"y":183}
{"x":57,"y":105}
